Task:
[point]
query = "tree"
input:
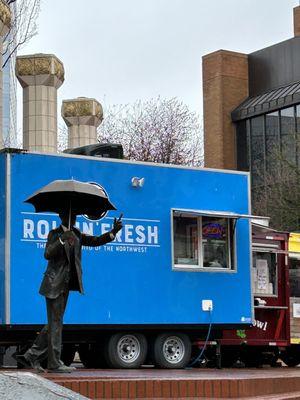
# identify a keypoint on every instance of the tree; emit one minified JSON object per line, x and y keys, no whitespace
{"x":62,"y":138}
{"x":16,"y":143}
{"x":23,"y":26}
{"x":158,"y":130}
{"x":278,"y":195}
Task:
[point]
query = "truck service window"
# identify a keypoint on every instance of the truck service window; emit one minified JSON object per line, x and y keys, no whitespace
{"x":264,"y":273}
{"x":186,"y":241}
{"x":202,"y":242}
{"x":216,"y":242}
{"x":294,"y":277}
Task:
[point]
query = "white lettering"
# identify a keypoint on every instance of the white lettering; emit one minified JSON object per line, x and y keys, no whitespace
{"x":131,"y":249}
{"x":118,"y":237}
{"x":259,"y":324}
{"x":54,"y":224}
{"x":152,"y":234}
{"x":28,"y":228}
{"x":38,"y":229}
{"x":88,"y":228}
{"x":42,"y":229}
{"x":141,"y":237}
{"x":128,"y":233}
{"x":105,"y":228}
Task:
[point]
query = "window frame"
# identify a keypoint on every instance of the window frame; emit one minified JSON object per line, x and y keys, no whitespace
{"x":295,"y":257}
{"x":232,"y":256}
{"x":266,"y":249}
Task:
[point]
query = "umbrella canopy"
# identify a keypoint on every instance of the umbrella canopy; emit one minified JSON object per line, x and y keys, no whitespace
{"x":71,"y":195}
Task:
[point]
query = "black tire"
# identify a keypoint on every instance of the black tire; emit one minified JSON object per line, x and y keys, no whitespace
{"x":92,"y":355}
{"x":291,"y":356}
{"x":126,"y":350}
{"x":68,"y":353}
{"x":172,"y":350}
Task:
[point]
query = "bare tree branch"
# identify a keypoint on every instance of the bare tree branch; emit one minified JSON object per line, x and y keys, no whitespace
{"x":278,"y":195}
{"x":15,"y":142}
{"x":23,"y":26}
{"x":158,"y":130}
{"x":62,"y":138}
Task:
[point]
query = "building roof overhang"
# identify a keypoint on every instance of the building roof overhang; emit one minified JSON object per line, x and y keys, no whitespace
{"x":267,"y":102}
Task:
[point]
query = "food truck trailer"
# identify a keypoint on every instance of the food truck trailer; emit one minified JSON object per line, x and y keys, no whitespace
{"x":268,"y":339}
{"x":180,"y":265}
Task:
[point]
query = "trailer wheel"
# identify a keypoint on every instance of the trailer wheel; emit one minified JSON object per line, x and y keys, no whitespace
{"x":172,"y":350}
{"x":126,"y":350}
{"x":291,"y":356}
{"x":68,"y":353}
{"x":92,"y":355}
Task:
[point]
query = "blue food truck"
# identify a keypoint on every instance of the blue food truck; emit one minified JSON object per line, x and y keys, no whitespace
{"x":180,"y":265}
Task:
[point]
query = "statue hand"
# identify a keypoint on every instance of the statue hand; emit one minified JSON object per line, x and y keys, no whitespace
{"x":117,"y":226}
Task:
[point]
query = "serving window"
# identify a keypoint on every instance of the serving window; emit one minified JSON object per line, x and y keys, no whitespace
{"x":264,"y":273}
{"x":203,"y":242}
{"x":294,"y":277}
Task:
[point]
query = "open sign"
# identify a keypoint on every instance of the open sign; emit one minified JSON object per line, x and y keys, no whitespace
{"x":213,"y":231}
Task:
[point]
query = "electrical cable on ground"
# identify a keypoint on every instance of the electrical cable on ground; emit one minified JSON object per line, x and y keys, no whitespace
{"x":198,"y":358}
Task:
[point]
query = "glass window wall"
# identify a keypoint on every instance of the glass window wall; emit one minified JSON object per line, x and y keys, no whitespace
{"x":272,"y":139}
{"x":267,"y":136}
{"x":257,"y":142}
{"x":288,"y":133}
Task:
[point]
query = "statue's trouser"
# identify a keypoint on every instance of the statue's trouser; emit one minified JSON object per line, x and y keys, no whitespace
{"x":48,"y":342}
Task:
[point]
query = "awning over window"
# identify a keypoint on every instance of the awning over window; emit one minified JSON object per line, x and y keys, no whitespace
{"x":224,"y":214}
{"x":267,"y":102}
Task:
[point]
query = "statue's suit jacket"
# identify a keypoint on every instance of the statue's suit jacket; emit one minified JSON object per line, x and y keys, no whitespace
{"x":60,"y":259}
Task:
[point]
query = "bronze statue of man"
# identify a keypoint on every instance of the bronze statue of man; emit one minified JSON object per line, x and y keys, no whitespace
{"x":63,"y":274}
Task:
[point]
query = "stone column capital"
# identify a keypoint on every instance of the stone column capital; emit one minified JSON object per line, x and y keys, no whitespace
{"x":82,"y":111}
{"x":5,"y":18}
{"x":40,"y":69}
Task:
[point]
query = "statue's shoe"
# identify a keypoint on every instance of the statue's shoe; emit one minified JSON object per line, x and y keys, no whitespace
{"x":62,"y":369}
{"x":28,"y":363}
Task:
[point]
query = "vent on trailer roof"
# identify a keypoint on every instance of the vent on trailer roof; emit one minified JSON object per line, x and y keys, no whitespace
{"x":107,"y":150}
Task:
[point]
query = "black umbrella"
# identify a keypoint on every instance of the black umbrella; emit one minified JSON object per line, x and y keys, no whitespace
{"x":74,"y":196}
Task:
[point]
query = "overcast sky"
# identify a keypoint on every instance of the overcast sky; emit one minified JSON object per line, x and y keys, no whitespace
{"x":119,"y":51}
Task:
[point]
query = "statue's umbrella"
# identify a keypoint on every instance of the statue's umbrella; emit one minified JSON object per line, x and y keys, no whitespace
{"x":72,"y":196}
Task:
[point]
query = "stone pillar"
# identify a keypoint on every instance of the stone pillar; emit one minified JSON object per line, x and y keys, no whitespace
{"x":82,"y":116}
{"x":225,"y":86}
{"x":5,"y":21}
{"x":296,"y":11}
{"x":40,"y":75}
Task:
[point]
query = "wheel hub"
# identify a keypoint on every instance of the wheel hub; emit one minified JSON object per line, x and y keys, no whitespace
{"x":129,"y":348}
{"x":173,"y":349}
{"x":126,"y":349}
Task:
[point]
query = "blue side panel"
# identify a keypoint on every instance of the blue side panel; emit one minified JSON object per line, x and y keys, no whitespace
{"x":2,"y":238}
{"x":130,"y":281}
